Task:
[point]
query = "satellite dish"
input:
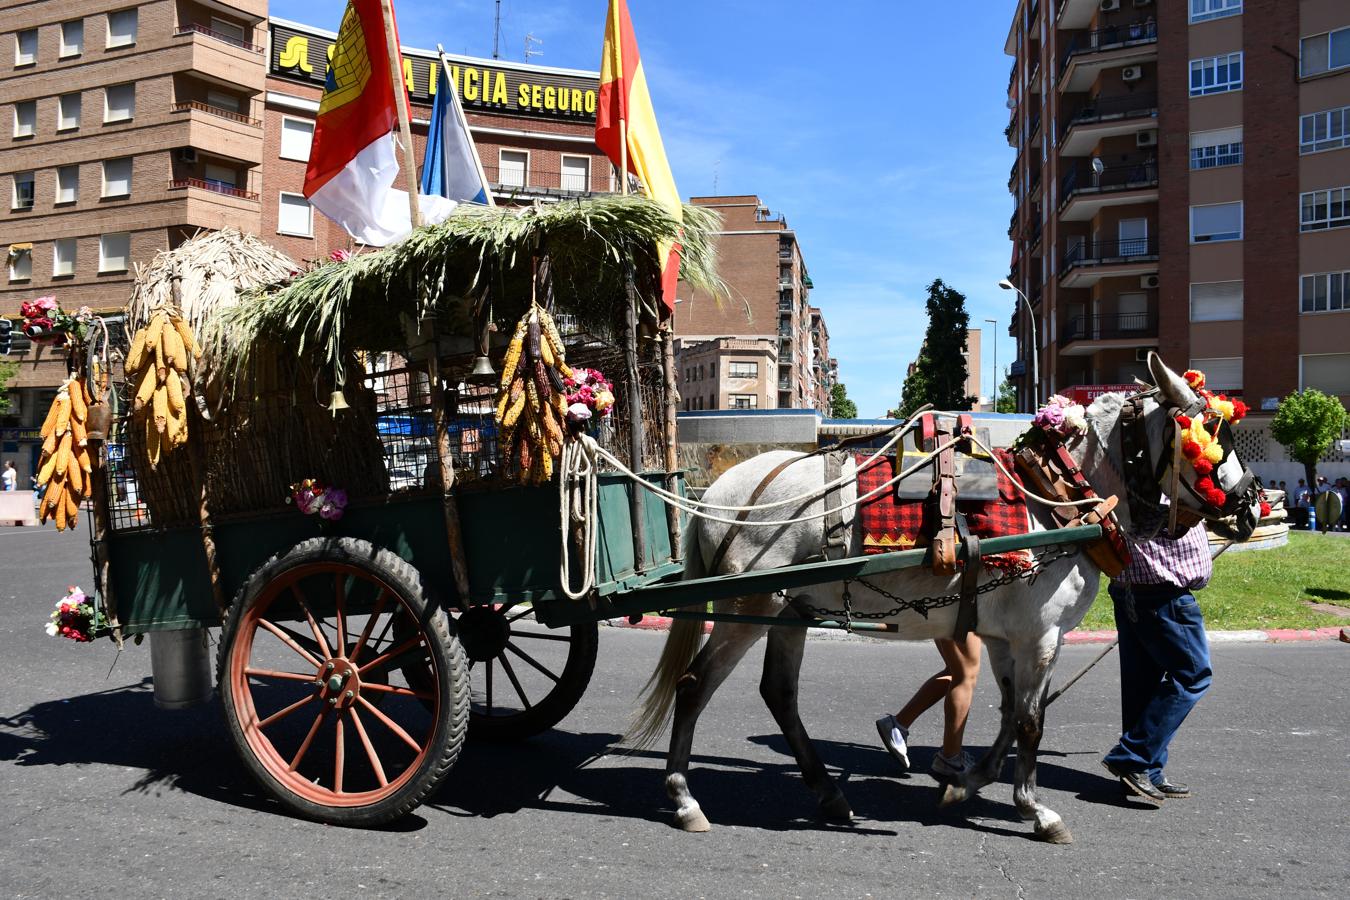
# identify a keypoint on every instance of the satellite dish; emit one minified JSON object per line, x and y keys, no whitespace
{"x":1011,"y":104}
{"x":1097,"y":165}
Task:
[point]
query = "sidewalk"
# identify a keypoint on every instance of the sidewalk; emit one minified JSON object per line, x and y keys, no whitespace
{"x":1272,"y":635}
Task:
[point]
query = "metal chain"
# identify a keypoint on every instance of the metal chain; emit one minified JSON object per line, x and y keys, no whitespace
{"x":922,"y":605}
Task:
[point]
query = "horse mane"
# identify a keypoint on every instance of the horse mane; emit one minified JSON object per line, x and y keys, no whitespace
{"x":1101,"y":461}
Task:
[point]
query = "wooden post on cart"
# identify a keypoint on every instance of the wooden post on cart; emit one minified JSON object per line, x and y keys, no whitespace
{"x":672,"y":399}
{"x":636,"y":437}
{"x":100,"y":420}
{"x":449,"y":506}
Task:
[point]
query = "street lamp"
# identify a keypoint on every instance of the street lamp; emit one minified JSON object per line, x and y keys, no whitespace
{"x":1035,"y":350}
{"x":993,"y":391}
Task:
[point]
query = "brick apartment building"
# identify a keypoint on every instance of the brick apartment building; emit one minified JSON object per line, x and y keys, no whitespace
{"x":974,"y":381}
{"x":764,"y":346}
{"x":1182,"y":183}
{"x":134,"y":125}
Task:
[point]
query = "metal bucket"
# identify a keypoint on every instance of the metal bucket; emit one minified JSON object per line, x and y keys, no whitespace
{"x":181,"y":664}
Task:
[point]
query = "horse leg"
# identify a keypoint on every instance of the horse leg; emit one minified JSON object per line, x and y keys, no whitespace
{"x":778,"y":687}
{"x":714,"y":662}
{"x":987,"y":770}
{"x":1034,"y":664}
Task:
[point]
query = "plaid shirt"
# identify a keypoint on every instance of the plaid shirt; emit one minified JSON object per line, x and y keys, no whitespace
{"x":1183,"y":563}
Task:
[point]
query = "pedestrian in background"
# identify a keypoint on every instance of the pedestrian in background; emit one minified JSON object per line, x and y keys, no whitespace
{"x":10,"y":476}
{"x":1301,"y":502}
{"x":1164,"y":657}
{"x":955,"y":685}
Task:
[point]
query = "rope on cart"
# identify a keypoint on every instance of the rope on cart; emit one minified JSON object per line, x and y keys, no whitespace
{"x":577,"y":509}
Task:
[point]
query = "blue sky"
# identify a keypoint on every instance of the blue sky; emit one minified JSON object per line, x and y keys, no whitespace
{"x":875,"y":127}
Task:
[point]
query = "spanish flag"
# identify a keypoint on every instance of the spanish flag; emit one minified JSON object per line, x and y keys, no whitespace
{"x":624,"y":101}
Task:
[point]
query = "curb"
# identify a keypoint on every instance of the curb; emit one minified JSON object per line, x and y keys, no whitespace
{"x":1272,"y":636}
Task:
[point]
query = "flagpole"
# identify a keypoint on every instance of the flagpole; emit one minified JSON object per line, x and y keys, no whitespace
{"x":464,"y":124}
{"x":401,"y":107}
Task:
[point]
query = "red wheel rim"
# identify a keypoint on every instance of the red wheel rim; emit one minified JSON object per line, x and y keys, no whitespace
{"x":304,"y":671}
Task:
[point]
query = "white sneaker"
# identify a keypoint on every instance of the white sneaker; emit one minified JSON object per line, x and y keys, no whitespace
{"x":893,"y":736}
{"x":951,"y":768}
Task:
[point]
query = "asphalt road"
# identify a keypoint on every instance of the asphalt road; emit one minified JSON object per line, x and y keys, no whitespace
{"x":104,"y":795}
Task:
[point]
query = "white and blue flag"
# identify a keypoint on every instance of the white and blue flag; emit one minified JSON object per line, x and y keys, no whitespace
{"x":451,"y":167}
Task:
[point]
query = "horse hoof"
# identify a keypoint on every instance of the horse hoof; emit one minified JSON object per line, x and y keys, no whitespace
{"x":692,"y":820}
{"x":952,"y":794}
{"x":837,"y":809}
{"x":1058,"y":833}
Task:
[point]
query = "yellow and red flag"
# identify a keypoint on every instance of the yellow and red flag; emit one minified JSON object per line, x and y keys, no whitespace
{"x":624,"y":114}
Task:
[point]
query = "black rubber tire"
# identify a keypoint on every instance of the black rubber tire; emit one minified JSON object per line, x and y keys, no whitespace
{"x":555,"y":706}
{"x":449,"y":729}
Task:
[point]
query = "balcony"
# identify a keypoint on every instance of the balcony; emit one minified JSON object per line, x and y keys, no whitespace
{"x":1017,"y":368}
{"x":513,"y":183}
{"x":1034,"y":130}
{"x":1034,"y":239}
{"x":1010,"y":132}
{"x":1086,"y":335}
{"x":1084,"y":193}
{"x":1088,"y":262}
{"x":1103,"y":117}
{"x":216,"y":111}
{"x":217,"y":187}
{"x":1092,"y":52}
{"x":218,"y":58}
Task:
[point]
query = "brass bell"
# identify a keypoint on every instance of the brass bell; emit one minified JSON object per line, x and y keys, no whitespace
{"x":482,"y":370}
{"x":337,"y":402}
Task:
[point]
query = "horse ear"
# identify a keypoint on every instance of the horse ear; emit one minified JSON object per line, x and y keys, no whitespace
{"x":1172,"y":385}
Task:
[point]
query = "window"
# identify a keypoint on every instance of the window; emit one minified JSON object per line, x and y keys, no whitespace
{"x":1320,"y":210}
{"x":514,"y":164}
{"x":1216,"y":301}
{"x":294,"y":216}
{"x":1132,"y":312}
{"x":296,"y":137}
{"x":21,"y":265}
{"x":1324,"y":52}
{"x":121,"y":28}
{"x":1133,"y":234}
{"x":1216,"y":74}
{"x":218,"y":176}
{"x":227,"y":29}
{"x":1216,"y":222}
{"x":113,"y":252}
{"x":117,"y":177}
{"x":72,"y":38}
{"x":67,"y":184}
{"x":1326,"y":130}
{"x":25,"y":118}
{"x":1324,"y":292}
{"x":1223,"y":373}
{"x":743,"y":401}
{"x":744,"y":370}
{"x":25,"y":47}
{"x":576,"y":173}
{"x":68,"y":112}
{"x":119,"y":102}
{"x":23,"y":190}
{"x":222,"y":100}
{"x":1328,"y":372}
{"x":700,"y":371}
{"x":1201,"y":10}
{"x":63,"y":257}
{"x":1222,"y":147}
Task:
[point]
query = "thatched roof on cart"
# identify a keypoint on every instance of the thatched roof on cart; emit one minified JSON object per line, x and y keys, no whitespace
{"x":215,"y":270}
{"x":365,"y":303}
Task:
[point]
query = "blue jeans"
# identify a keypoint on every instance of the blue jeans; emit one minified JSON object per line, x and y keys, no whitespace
{"x":1164,"y":671}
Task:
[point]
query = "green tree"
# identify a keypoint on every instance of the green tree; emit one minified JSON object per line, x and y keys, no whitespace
{"x":1306,"y":424}
{"x":1007,"y":398}
{"x":940,"y":373}
{"x":840,"y":406}
{"x":7,"y":371}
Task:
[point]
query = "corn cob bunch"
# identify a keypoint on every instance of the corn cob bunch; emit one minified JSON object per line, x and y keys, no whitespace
{"x":65,"y":470}
{"x":157,"y":364}
{"x":531,"y":404}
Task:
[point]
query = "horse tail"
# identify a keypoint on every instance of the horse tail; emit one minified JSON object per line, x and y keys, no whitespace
{"x":657,"y":697}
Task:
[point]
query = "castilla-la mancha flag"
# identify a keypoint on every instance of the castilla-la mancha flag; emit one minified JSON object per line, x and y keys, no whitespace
{"x":624,"y":99}
{"x":352,"y":162}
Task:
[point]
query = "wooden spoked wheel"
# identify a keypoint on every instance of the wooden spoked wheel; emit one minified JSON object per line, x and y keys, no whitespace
{"x":524,"y":677}
{"x":313,"y":674}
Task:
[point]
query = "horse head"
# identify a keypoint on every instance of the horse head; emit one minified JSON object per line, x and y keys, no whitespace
{"x":1211,"y":481}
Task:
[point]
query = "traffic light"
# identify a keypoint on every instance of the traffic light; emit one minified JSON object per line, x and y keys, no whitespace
{"x":6,"y":332}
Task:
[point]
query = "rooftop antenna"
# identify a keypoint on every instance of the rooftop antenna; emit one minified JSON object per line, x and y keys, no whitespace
{"x":717,"y":165}
{"x":497,"y":32}
{"x":530,"y":51}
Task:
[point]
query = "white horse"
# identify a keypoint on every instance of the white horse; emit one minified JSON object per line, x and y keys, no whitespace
{"x":1022,"y":623}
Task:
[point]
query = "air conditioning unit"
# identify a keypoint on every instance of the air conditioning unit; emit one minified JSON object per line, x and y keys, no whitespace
{"x":1146,"y":138}
{"x":1131,"y":73}
{"x":1148,"y":281}
{"x":1110,"y":5}
{"x":187,"y":155}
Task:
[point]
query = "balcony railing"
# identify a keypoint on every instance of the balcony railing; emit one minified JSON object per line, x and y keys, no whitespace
{"x":537,"y":181}
{"x":1035,"y":237}
{"x":1109,"y":38}
{"x":1098,"y":253}
{"x":1126,"y":106}
{"x":216,"y":111}
{"x":218,"y":187}
{"x":1035,"y":125}
{"x":1111,"y":327}
{"x":219,"y":36}
{"x":1127,"y":176}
